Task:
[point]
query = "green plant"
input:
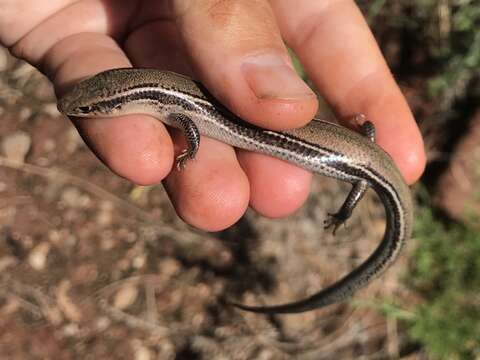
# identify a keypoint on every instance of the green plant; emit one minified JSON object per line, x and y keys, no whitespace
{"x":446,"y":272}
{"x":458,"y":50}
{"x":448,"y":35}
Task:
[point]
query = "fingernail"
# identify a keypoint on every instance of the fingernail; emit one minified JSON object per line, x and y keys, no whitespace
{"x":269,"y":77}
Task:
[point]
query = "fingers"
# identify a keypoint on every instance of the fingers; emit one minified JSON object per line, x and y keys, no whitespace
{"x":235,"y":49}
{"x":137,"y":148}
{"x":247,"y":53}
{"x":70,"y":41}
{"x":212,"y":192}
{"x":38,"y":27}
{"x":279,"y":188}
{"x":341,"y":56}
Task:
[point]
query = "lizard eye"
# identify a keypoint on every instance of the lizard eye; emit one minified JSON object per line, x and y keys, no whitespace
{"x":85,"y":109}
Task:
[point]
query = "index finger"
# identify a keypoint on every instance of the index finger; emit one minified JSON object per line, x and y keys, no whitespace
{"x":341,"y":56}
{"x":135,"y":147}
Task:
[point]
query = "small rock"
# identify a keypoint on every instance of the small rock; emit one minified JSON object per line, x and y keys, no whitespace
{"x":105,"y":214}
{"x":65,"y":302}
{"x":16,"y":146}
{"x":141,"y":352}
{"x":139,"y":261}
{"x":38,"y":256}
{"x":51,"y":110}
{"x":170,"y":267}
{"x":25,"y":114}
{"x":102,"y":323}
{"x":73,"y":198}
{"x":125,"y":297}
{"x":71,"y":329}
{"x":73,"y":140}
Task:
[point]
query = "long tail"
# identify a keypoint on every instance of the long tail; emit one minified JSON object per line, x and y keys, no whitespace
{"x":375,"y":265}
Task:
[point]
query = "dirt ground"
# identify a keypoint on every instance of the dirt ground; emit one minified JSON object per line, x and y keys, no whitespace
{"x":94,"y":267}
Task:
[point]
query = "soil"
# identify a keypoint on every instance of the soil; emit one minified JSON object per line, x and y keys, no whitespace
{"x":95,"y":267}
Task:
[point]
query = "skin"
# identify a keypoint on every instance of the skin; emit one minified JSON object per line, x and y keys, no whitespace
{"x":235,"y":48}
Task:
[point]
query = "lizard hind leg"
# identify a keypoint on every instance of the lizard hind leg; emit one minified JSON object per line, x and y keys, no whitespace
{"x":341,"y":216}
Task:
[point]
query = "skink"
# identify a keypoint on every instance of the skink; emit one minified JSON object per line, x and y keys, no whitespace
{"x":321,"y":147}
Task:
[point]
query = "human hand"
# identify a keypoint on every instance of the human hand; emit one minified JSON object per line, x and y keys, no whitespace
{"x":235,"y":48}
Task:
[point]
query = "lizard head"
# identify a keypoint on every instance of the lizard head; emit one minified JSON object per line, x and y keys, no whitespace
{"x":92,"y":97}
